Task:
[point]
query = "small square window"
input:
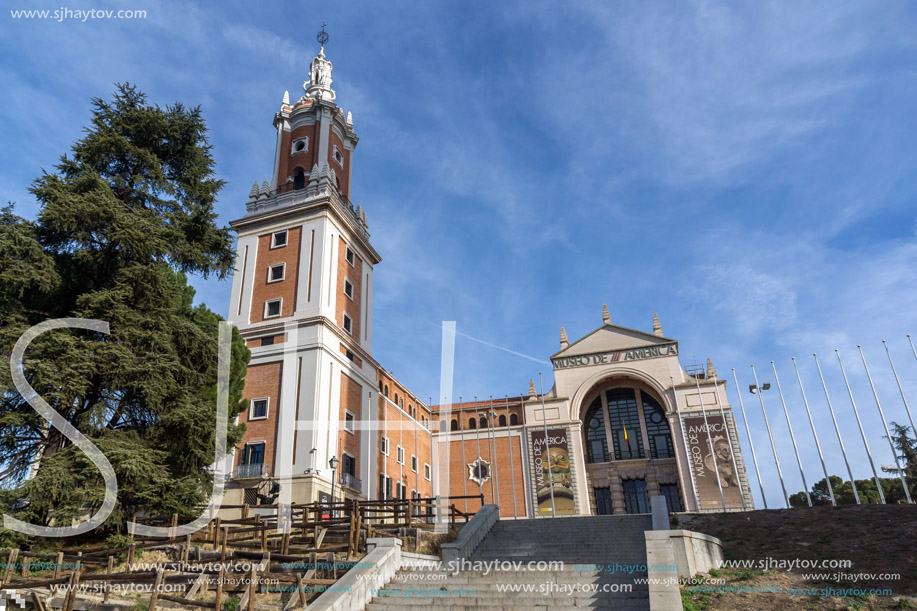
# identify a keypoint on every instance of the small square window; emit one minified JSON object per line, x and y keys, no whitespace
{"x":275,"y":273}
{"x":383,"y":445}
{"x":348,"y":324}
{"x":279,"y":239}
{"x":427,"y":472}
{"x":348,"y":422}
{"x":258,"y":410}
{"x":413,"y":463}
{"x":348,"y":254}
{"x":267,"y":341}
{"x":348,"y":289}
{"x":272,"y":308}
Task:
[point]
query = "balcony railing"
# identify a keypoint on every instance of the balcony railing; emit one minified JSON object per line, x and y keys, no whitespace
{"x":351,"y":482}
{"x":253,"y":470}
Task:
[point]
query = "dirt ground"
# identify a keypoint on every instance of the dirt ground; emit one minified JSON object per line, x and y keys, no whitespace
{"x":879,"y":540}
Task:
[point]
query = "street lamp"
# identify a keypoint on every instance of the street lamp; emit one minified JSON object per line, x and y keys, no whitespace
{"x":333,"y":463}
{"x":753,"y":388}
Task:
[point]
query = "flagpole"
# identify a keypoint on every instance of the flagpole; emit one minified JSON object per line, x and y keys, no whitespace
{"x":907,"y":407}
{"x":477,"y":434}
{"x":732,"y":454}
{"x":464,"y":464}
{"x":770,"y":436}
{"x":786,"y":412}
{"x":492,"y":421}
{"x":888,"y":435}
{"x":837,"y":429}
{"x":703,"y":410}
{"x":512,"y":466}
{"x":751,"y":443}
{"x":547,"y":446}
{"x":856,"y":413}
{"x":814,"y":434}
{"x":684,"y":438}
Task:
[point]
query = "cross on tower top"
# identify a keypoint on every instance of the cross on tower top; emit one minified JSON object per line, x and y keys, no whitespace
{"x":322,"y":37}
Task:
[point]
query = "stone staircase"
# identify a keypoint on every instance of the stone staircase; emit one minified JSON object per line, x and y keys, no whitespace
{"x":595,"y":541}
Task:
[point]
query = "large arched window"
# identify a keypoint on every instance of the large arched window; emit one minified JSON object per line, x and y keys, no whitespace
{"x":454,"y":425}
{"x":625,"y":423}
{"x":657,"y":429}
{"x":502,"y":421}
{"x":483,"y":422}
{"x":596,"y":440}
{"x":472,"y":423}
{"x":513,"y":419}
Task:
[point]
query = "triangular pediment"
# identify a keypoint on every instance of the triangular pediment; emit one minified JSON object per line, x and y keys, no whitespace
{"x":609,"y":338}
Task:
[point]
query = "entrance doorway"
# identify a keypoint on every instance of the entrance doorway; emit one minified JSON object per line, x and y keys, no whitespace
{"x":603,"y":502}
{"x":635,"y":497}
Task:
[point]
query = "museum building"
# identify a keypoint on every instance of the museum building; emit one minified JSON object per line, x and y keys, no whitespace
{"x":623,"y":421}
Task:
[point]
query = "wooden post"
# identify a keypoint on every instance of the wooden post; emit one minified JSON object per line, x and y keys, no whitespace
{"x":10,"y":563}
{"x":130,"y":558}
{"x":25,"y":566}
{"x":245,"y":513}
{"x":219,"y":600}
{"x":302,"y":590}
{"x":187,"y":554}
{"x":223,"y":545}
{"x":263,"y":533}
{"x":58,"y":565}
{"x":174,"y":526}
{"x":71,"y":593}
{"x":155,"y":597}
{"x":253,"y":578}
{"x":108,"y":571}
{"x":216,"y":533}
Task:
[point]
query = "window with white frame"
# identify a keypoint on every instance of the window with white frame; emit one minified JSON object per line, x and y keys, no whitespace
{"x":348,"y":289}
{"x":348,"y":324}
{"x":413,"y":463}
{"x":275,"y":273}
{"x":338,"y":156}
{"x":300,"y":145}
{"x":348,"y":254}
{"x":427,"y":471}
{"x":383,"y":445}
{"x":258,"y":409}
{"x":400,"y":455}
{"x":348,"y":422}
{"x":272,"y":308}
{"x":279,"y":239}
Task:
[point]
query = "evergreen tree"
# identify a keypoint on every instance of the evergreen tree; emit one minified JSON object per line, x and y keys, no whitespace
{"x":123,"y":218}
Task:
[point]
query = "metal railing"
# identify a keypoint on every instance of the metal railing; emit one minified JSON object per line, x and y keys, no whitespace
{"x":351,"y":482}
{"x":253,"y":470}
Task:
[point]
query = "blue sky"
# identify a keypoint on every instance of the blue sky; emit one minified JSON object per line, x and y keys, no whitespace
{"x":748,"y":172}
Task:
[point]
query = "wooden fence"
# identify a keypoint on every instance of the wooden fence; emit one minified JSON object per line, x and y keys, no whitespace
{"x":254,"y":554}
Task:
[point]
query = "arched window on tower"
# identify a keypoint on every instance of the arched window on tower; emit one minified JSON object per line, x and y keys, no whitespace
{"x":513,"y":419}
{"x":596,"y":440}
{"x":502,"y":421}
{"x":454,"y":425}
{"x":472,"y":423}
{"x":299,"y":180}
{"x":657,"y":429}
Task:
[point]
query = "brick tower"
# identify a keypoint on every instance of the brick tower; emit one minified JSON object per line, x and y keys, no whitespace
{"x":302,"y":299}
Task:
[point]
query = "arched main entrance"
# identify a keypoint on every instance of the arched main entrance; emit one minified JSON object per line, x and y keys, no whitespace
{"x":628,"y":447}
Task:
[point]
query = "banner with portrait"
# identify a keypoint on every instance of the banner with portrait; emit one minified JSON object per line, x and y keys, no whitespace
{"x":554,"y":483}
{"x":709,"y":464}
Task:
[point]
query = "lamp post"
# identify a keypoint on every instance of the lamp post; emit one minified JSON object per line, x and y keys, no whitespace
{"x":333,"y":463}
